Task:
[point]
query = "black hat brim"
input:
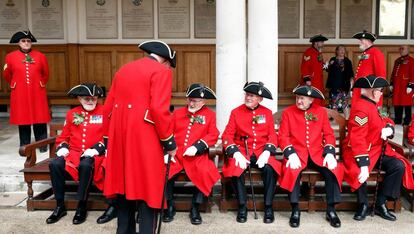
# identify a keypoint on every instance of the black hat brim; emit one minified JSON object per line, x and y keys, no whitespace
{"x":364,"y":35}
{"x":159,"y":48}
{"x":86,"y":90}
{"x":200,"y":91}
{"x":22,"y":34}
{"x":308,"y":91}
{"x":370,"y":82}
{"x":257,"y":88}
{"x":318,"y":38}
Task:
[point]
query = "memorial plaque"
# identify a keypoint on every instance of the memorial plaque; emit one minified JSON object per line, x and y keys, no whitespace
{"x":174,"y":18}
{"x":391,"y":19}
{"x":101,"y":19}
{"x":205,"y":18}
{"x":356,"y":15}
{"x":138,"y":18}
{"x":319,"y":18}
{"x":13,"y":17}
{"x":288,"y":18}
{"x":47,"y":19}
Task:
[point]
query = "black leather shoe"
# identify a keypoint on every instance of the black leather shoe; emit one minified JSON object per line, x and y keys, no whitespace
{"x":333,"y":219}
{"x":110,"y":213}
{"x":80,"y":216}
{"x":242,"y":214}
{"x":57,"y":214}
{"x":361,"y":213}
{"x":269,"y":216}
{"x":195,"y":216}
{"x":294,"y":220}
{"x":169,"y":213}
{"x":382,"y":211}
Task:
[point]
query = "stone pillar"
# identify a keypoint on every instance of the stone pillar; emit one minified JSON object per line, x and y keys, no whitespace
{"x":263,"y":47}
{"x":72,"y":28}
{"x":230,"y":57}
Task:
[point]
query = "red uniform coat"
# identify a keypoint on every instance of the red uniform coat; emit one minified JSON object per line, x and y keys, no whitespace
{"x":362,"y":146}
{"x":82,"y":136}
{"x":309,"y":134}
{"x":198,"y":129}
{"x":402,"y":75}
{"x":259,"y":126}
{"x":312,"y":68}
{"x":139,"y":102}
{"x":371,"y":62}
{"x":27,"y":80}
{"x":411,"y":133}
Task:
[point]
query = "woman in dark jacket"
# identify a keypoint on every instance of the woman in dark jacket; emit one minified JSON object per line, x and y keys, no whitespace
{"x":340,"y":74}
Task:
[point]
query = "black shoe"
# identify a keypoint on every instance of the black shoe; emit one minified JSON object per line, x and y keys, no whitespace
{"x":169,"y":213}
{"x":242,"y":214}
{"x":57,"y":214}
{"x":80,"y":216}
{"x":361,"y":213}
{"x":383,"y":211}
{"x":294,"y":220}
{"x":195,"y":216}
{"x":333,"y":219}
{"x":269,"y":216}
{"x":110,"y":213}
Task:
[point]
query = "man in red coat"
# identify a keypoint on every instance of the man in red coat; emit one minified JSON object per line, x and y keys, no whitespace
{"x":80,"y":151}
{"x":371,"y":61}
{"x":140,"y":129}
{"x":253,"y":123}
{"x":307,"y":140}
{"x":366,"y":141}
{"x":313,"y":65}
{"x":402,"y":84}
{"x":194,"y":130}
{"x":27,"y":73}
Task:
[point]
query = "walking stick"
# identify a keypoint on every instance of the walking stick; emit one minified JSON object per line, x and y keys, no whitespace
{"x":384,"y":145}
{"x":250,"y":176}
{"x":163,"y":194}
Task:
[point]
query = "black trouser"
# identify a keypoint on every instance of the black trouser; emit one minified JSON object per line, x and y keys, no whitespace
{"x":399,"y":114}
{"x":58,"y":176}
{"x":198,"y":196}
{"x":389,"y":188}
{"x":126,"y":217}
{"x":333,"y":193}
{"x":25,"y":132}
{"x":269,"y":177}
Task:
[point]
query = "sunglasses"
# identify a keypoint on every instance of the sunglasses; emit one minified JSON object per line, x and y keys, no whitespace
{"x":26,"y":40}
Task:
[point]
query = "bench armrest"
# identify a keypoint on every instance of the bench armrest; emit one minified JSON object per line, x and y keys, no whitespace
{"x":29,"y":151}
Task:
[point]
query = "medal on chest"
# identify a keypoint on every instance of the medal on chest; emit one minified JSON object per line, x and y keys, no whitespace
{"x":96,"y":119}
{"x":259,"y":119}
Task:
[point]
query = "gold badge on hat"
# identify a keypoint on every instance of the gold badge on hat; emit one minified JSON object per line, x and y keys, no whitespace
{"x":202,"y":94}
{"x":309,"y":92}
{"x":260,"y":92}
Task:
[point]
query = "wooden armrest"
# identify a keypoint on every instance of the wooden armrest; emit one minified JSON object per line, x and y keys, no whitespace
{"x":214,"y":151}
{"x":26,"y":150}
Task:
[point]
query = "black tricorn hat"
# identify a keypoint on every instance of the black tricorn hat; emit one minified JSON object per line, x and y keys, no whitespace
{"x":258,"y":89}
{"x":159,"y":48}
{"x":309,"y":91}
{"x":198,"y":90}
{"x":86,"y":89}
{"x":365,"y":35}
{"x":317,"y":38}
{"x":370,"y":82}
{"x":22,"y":34}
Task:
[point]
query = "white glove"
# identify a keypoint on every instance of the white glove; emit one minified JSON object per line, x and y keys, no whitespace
{"x":293,"y":161}
{"x":409,"y":90}
{"x":90,"y":153}
{"x":241,"y":161}
{"x":263,"y":158}
{"x":386,"y":132}
{"x":363,"y":175}
{"x":62,"y":152}
{"x":190,"y":151}
{"x":325,"y":66}
{"x":330,"y":161}
{"x":166,"y":159}
{"x":391,"y":88}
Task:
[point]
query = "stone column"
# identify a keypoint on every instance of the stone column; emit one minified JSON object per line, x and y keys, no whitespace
{"x":230,"y":57}
{"x":263,"y":47}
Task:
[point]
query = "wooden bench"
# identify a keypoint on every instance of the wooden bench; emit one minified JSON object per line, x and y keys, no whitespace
{"x":312,"y":198}
{"x":39,"y":171}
